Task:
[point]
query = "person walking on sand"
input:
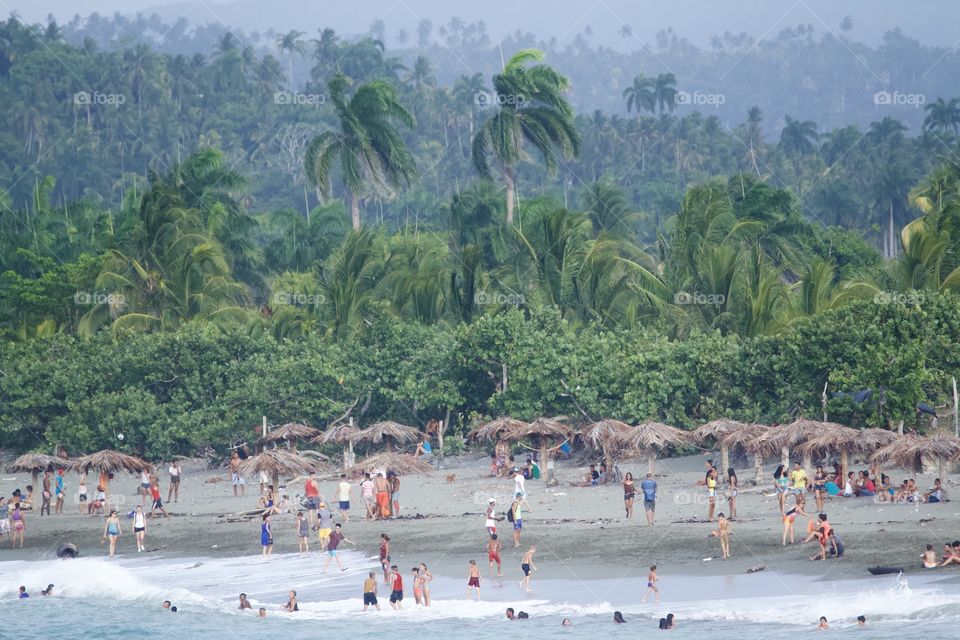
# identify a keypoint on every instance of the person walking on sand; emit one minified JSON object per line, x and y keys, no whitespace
{"x":394,"y":493}
{"x":139,"y":527}
{"x":238,"y":482}
{"x":425,"y":579}
{"x":144,"y":486}
{"x":652,"y":585}
{"x":723,"y":532}
{"x":492,"y":518}
{"x":649,"y":488}
{"x":303,"y":533}
{"x":396,"y":594}
{"x":473,"y":580}
{"x":336,"y":537}
{"x":527,"y":566}
{"x":344,"y":491}
{"x":520,"y":487}
{"x":157,"y":504}
{"x":799,"y":478}
{"x":174,"y":489}
{"x":266,"y":535}
{"x":494,"y":547}
{"x":111,"y":530}
{"x":629,"y":491}
{"x":324,"y":524}
{"x":517,"y":513}
{"x":780,"y":482}
{"x":733,"y":487}
{"x":385,"y":557}
{"x":370,"y":592}
{"x":46,"y":495}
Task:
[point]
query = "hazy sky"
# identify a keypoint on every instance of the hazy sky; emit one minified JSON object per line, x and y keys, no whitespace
{"x":933,"y":21}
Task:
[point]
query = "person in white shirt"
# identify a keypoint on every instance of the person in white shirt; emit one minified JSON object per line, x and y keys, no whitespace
{"x":343,"y":497}
{"x":174,"y":489}
{"x":519,"y":488}
{"x":139,"y":527}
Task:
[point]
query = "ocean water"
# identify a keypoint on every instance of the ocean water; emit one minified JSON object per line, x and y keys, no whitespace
{"x":121,"y":598}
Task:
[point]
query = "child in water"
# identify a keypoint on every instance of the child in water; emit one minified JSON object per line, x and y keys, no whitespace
{"x":652,"y":585}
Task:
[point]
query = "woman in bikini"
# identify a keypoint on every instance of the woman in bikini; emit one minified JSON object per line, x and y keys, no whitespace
{"x":291,"y":605}
{"x":17,"y":525}
{"x":112,"y":530}
{"x":788,"y":520}
{"x":425,"y":578}
{"x":733,"y":486}
{"x":780,"y":482}
{"x":819,"y":487}
{"x":629,"y":491}
{"x":417,"y":586}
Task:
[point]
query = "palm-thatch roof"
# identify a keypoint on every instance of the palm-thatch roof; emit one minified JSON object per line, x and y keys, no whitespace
{"x":651,"y":435}
{"x":605,"y":433}
{"x":388,"y":431}
{"x":747,"y":436}
{"x":909,"y":451}
{"x":716,"y":429}
{"x":277,"y":462}
{"x":32,"y":462}
{"x":111,"y":461}
{"x":838,"y":438}
{"x":339,"y":433}
{"x":869,"y":440}
{"x":289,"y":431}
{"x":543,"y":427}
{"x":791,"y":435}
{"x":494,"y":429}
{"x":399,"y":463}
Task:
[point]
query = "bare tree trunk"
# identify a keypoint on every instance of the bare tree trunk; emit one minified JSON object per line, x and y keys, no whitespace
{"x":785,"y":457}
{"x":893,"y":242}
{"x":724,"y":458}
{"x":758,"y":468}
{"x":355,"y":211}
{"x":511,"y":187}
{"x":651,"y":459}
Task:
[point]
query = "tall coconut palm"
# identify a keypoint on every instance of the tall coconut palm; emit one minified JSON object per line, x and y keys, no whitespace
{"x":943,"y":116}
{"x":291,"y":43}
{"x":798,"y":137}
{"x":530,"y":108}
{"x":370,"y":147}
{"x":641,"y":95}
{"x":665,"y":91}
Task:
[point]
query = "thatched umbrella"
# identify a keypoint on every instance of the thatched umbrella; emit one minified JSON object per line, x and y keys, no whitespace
{"x":289,"y":432}
{"x":748,"y":438}
{"x":785,"y":437}
{"x":651,"y":437}
{"x":399,"y":463}
{"x":34,"y":463}
{"x":846,"y":441}
{"x":494,"y":429}
{"x":909,"y":451}
{"x":715,"y":430}
{"x":606,"y":435}
{"x":389,"y":433}
{"x":343,"y":433}
{"x":546,"y":430}
{"x":109,"y":461}
{"x":276,"y":462}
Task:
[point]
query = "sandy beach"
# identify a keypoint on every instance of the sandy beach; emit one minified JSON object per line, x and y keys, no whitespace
{"x":580,"y":532}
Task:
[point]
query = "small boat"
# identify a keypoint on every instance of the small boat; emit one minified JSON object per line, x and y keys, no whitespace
{"x":882,"y":571}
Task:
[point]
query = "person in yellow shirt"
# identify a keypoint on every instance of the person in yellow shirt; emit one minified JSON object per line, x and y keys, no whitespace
{"x":798,"y":477}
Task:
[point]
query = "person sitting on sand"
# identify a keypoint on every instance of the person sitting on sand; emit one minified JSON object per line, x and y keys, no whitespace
{"x":424,"y":449}
{"x":951,"y":554}
{"x":822,"y":539}
{"x":935,"y":494}
{"x":929,"y":558}
{"x":834,"y":545}
{"x":849,"y":489}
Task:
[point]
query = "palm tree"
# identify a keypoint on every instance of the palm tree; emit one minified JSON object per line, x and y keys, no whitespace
{"x":641,"y":95}
{"x":798,"y":138}
{"x":665,"y":91}
{"x":752,"y":133}
{"x":530,"y":108}
{"x":942,"y":116}
{"x":369,"y":146}
{"x":291,"y":43}
{"x":846,"y":24}
{"x":626,"y":31}
{"x":422,"y":73}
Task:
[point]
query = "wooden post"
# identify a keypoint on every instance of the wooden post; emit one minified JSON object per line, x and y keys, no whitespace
{"x":785,"y":458}
{"x":956,"y":421}
{"x":823,"y":400}
{"x":758,"y":467}
{"x":844,"y":465}
{"x":651,"y":459}
{"x":724,"y":458}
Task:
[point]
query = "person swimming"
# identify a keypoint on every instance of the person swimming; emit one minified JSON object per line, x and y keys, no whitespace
{"x":618,"y":617}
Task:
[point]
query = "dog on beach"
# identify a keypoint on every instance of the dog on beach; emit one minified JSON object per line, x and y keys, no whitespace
{"x":451,"y":478}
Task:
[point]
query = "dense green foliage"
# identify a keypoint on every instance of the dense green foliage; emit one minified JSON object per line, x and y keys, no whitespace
{"x":193,"y":267}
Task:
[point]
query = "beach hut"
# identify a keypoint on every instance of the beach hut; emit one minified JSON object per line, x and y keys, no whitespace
{"x":607,"y":436}
{"x":909,"y":451}
{"x":494,"y":429}
{"x":786,"y":437}
{"x":847,"y":441}
{"x":550,"y":432}
{"x":400,"y":463}
{"x":109,"y":461}
{"x":715,"y":430}
{"x":277,"y":462}
{"x":748,"y":438}
{"x":389,"y":433}
{"x":343,"y":434}
{"x":35,"y":463}
{"x":651,"y":437}
{"x":289,"y":432}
